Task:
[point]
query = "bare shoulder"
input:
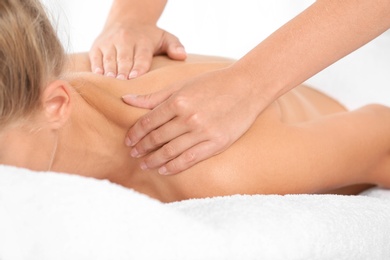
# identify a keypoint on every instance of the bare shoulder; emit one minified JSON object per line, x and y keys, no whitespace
{"x":163,"y":61}
{"x":163,"y":73}
{"x":79,"y":62}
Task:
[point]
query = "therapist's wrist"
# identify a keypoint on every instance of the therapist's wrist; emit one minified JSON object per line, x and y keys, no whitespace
{"x":135,"y":12}
{"x":129,"y":23}
{"x":259,"y":90}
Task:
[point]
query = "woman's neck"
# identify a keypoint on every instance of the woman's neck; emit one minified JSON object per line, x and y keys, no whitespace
{"x":91,"y":143}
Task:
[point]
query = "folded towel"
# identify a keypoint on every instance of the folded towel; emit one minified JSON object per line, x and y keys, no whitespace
{"x":46,"y":215}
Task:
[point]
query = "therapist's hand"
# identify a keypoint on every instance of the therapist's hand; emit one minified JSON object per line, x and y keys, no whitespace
{"x":126,"y":52}
{"x":192,"y":121}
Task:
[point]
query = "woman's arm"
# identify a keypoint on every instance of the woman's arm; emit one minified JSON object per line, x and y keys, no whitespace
{"x":208,"y":110}
{"x":130,"y":38}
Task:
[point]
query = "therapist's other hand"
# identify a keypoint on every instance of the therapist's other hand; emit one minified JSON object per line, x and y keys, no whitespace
{"x":192,"y":121}
{"x":126,"y":52}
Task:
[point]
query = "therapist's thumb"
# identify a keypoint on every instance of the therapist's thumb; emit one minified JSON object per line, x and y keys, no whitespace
{"x":173,"y":47}
{"x":148,"y":101}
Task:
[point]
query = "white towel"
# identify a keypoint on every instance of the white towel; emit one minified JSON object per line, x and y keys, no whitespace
{"x":60,"y":216}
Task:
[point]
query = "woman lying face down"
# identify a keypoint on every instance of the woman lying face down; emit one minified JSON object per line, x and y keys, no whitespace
{"x":55,"y":115}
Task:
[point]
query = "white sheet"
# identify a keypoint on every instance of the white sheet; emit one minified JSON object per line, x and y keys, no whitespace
{"x":60,"y":216}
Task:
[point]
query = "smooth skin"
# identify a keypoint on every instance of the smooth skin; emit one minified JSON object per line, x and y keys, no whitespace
{"x":322,"y":34}
{"x":305,"y":142}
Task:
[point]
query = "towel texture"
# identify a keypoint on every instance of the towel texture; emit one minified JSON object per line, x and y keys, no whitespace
{"x":60,"y":216}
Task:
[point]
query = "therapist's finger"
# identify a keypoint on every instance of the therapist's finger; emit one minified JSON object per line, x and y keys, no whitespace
{"x":124,"y":61}
{"x":142,"y":60}
{"x":189,"y":158}
{"x":158,"y":138}
{"x":173,"y":47}
{"x":149,"y":101}
{"x":170,"y":151}
{"x":109,"y":62}
{"x":149,"y":122}
{"x":96,"y":58}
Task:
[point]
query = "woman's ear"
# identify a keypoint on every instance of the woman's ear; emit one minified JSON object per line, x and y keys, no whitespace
{"x":56,"y":103}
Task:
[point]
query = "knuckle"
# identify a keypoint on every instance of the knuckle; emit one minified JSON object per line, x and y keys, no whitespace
{"x":180,"y":164}
{"x":142,"y":39}
{"x":125,"y":59}
{"x":195,"y":121}
{"x":143,"y":43}
{"x":109,"y":57}
{"x":123,"y":35}
{"x":180,"y":104}
{"x":155,"y":138}
{"x":189,"y":157}
{"x":145,"y":122}
{"x":168,"y":151}
{"x":144,"y":50}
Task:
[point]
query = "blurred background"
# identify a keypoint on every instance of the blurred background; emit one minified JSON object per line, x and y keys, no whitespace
{"x":231,"y":28}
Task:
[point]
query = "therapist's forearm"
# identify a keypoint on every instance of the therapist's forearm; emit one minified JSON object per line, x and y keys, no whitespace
{"x":322,"y":34}
{"x":135,"y":11}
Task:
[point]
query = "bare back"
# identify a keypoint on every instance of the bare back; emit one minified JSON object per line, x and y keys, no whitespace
{"x":249,"y":166}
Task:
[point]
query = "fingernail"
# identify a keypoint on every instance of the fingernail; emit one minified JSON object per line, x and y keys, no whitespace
{"x":133,"y":74}
{"x":98,"y":71}
{"x":134,"y":153}
{"x":163,"y":171}
{"x":143,"y":166}
{"x":110,"y":74}
{"x":121,"y":77}
{"x":128,"y":141}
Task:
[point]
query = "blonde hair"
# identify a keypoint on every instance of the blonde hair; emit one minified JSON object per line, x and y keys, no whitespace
{"x":30,"y":55}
